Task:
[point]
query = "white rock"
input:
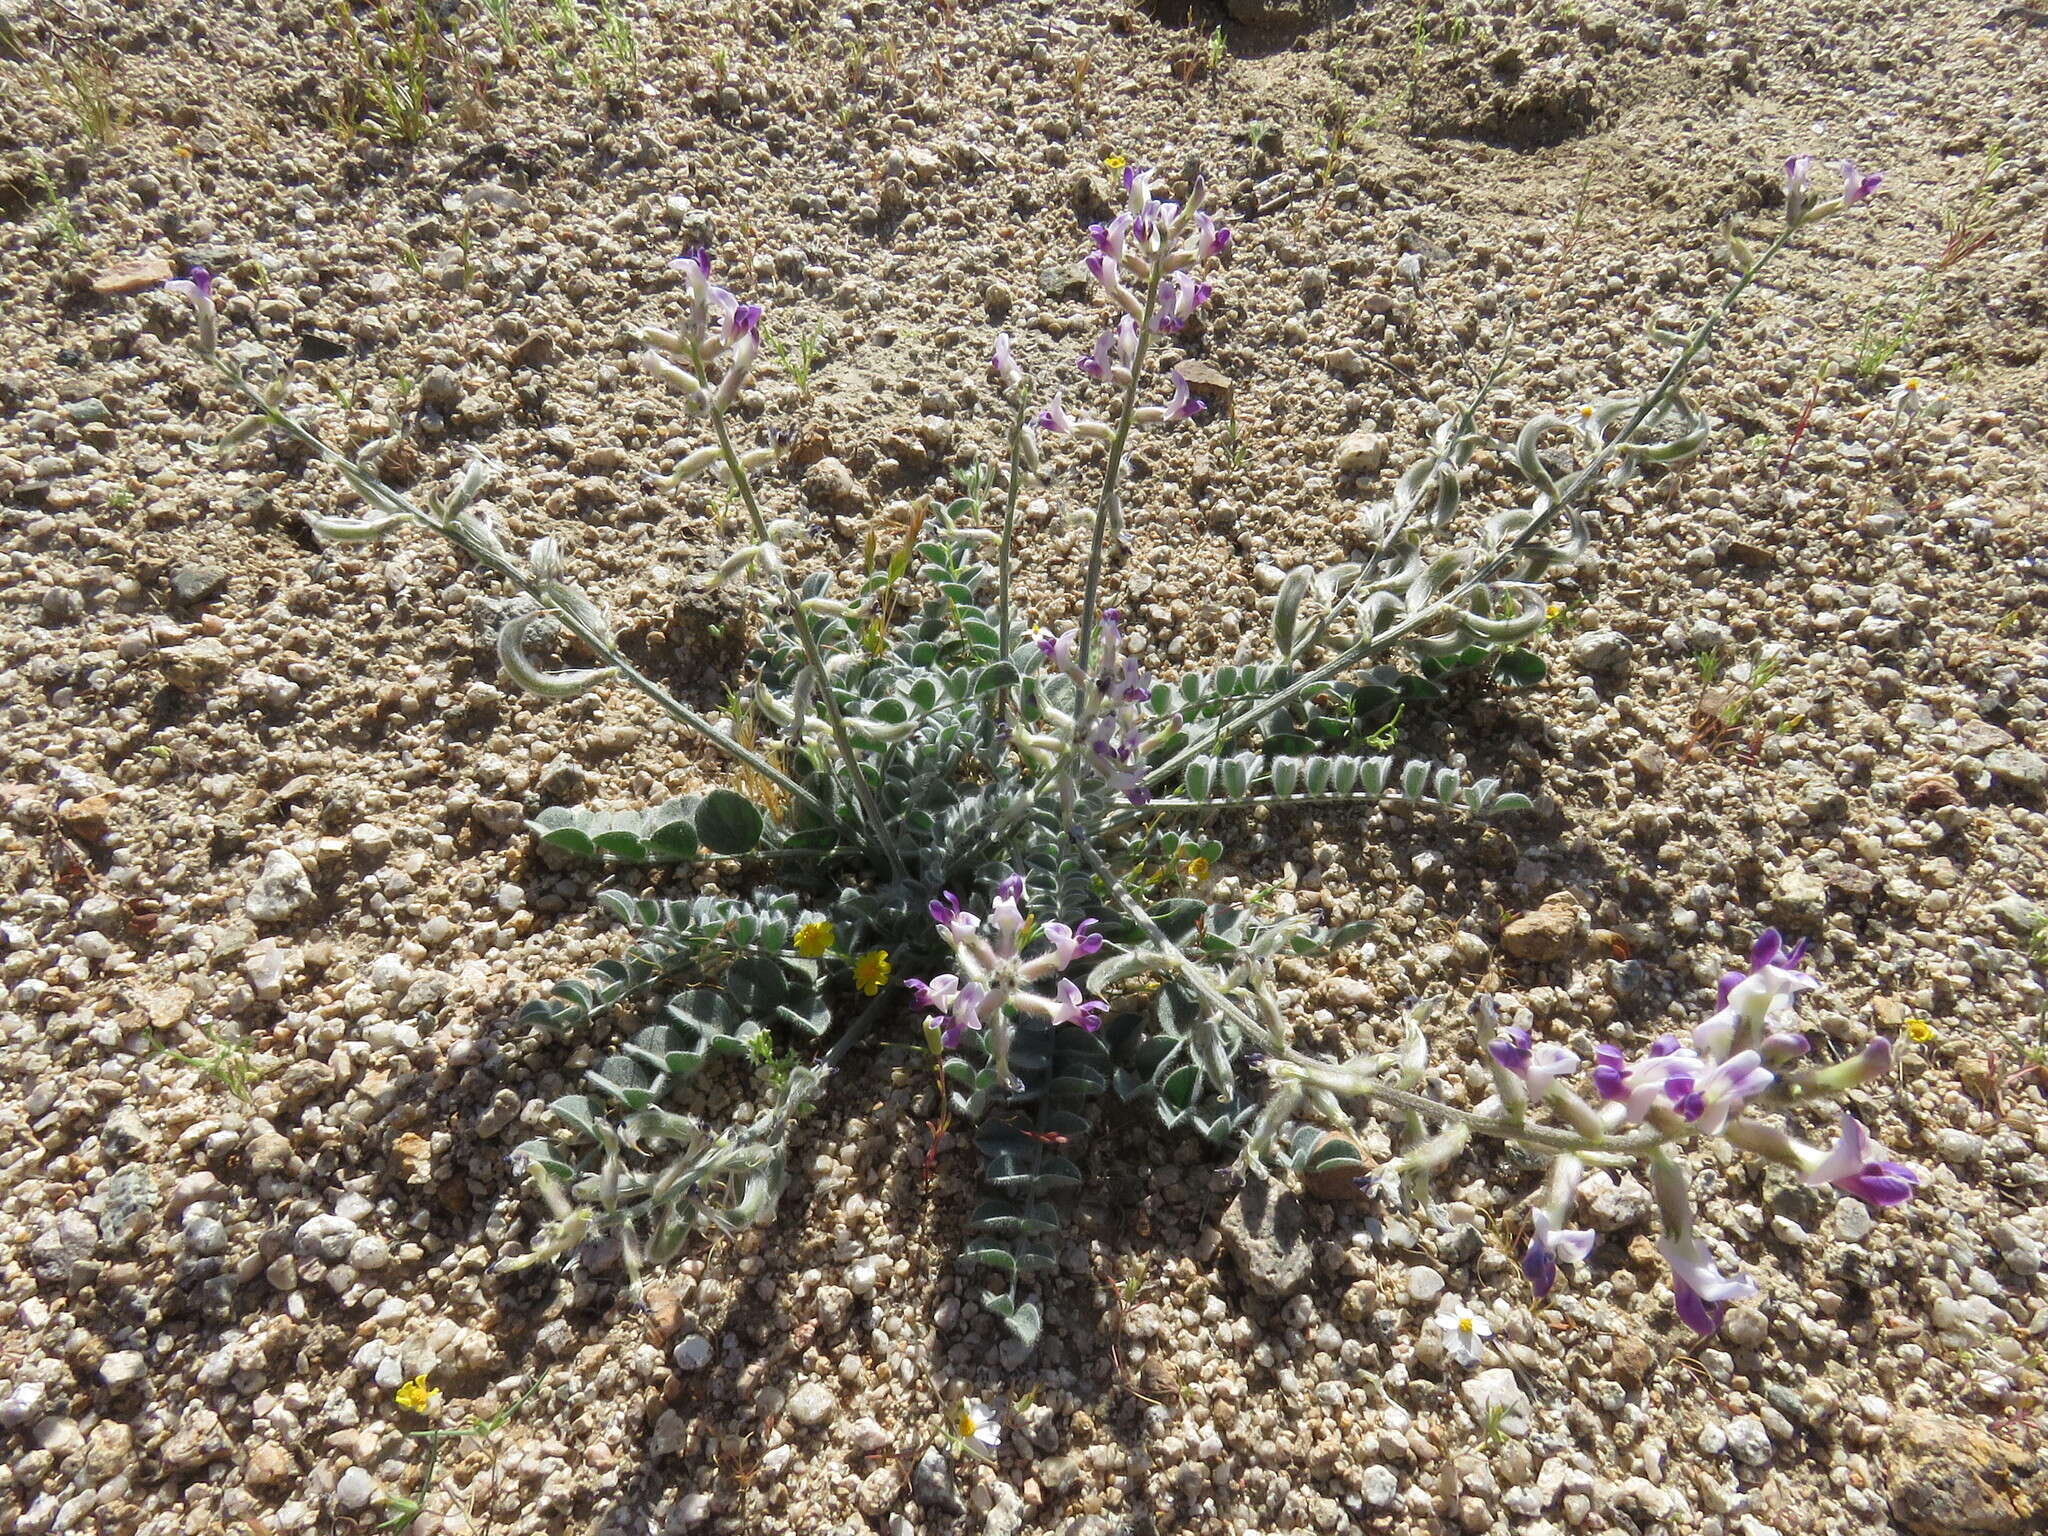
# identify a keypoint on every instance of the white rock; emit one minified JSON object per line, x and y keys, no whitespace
{"x":812,"y":1404}
{"x":122,"y":1367}
{"x":867,"y":1436}
{"x":1379,"y":1487}
{"x":1497,"y":1392}
{"x":694,"y":1353}
{"x":1749,"y":1440}
{"x":1615,"y":1203}
{"x":354,"y":1488}
{"x":1362,"y":453}
{"x":281,"y":892}
{"x":1424,"y":1285}
{"x":370,"y":842}
{"x":23,"y":1404}
{"x":1853,"y":1220}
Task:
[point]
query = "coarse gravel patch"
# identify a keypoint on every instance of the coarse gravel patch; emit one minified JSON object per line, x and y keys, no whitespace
{"x":268,"y":904}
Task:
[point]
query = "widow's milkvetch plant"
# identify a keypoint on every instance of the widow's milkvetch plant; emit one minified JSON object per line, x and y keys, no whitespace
{"x":1007,"y":824}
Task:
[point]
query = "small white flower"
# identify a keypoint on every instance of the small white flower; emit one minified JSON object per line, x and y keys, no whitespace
{"x":1908,"y":398}
{"x":975,"y":1423}
{"x":1465,"y":1332}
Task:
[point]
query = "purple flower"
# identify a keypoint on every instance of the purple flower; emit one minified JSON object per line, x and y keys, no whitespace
{"x":1071,"y":944}
{"x":1702,"y":1291}
{"x":1110,"y":238}
{"x":1071,"y":1007}
{"x":1547,"y":1246}
{"x":1184,"y":405}
{"x":1097,"y":362}
{"x":1849,"y":1167}
{"x":697,"y":261}
{"x":1004,"y":366}
{"x":1706,"y":1100}
{"x":1211,"y":238}
{"x":1798,"y":187}
{"x":1054,"y":418}
{"x":1755,"y":1002}
{"x":744,"y":320}
{"x":1857,"y":185}
{"x":946,"y":913}
{"x":1538,"y":1066}
{"x":1610,"y":1073}
{"x":1640,"y":1087}
{"x":197,"y":287}
{"x":1180,"y":297}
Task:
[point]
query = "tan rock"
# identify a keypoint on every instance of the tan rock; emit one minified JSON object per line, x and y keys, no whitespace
{"x":269,"y":1465}
{"x":1549,"y":933}
{"x":1949,"y":1477}
{"x":134,"y":276}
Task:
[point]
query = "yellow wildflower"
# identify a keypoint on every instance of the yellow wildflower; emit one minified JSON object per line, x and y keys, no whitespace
{"x":1114,"y":162}
{"x":813,"y":939}
{"x":871,"y":971}
{"x":1198,"y":869}
{"x":417,"y":1397}
{"x":1920,"y":1032}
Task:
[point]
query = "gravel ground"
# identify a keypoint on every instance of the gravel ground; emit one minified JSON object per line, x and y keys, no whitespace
{"x":266,"y":901}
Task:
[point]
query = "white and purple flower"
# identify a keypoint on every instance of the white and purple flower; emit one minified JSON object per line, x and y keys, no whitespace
{"x":1113,"y":715}
{"x":1849,"y":1167}
{"x":1702,"y":1291}
{"x":1858,"y":185}
{"x":714,"y":356}
{"x":1757,"y":1002}
{"x":995,"y":981}
{"x":196,"y":286}
{"x":1549,"y":1243}
{"x":1705,"y":1095}
{"x":1537,"y":1065}
{"x":1004,"y":364}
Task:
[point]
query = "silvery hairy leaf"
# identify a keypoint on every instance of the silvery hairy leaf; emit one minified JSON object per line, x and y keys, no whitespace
{"x":543,"y":684}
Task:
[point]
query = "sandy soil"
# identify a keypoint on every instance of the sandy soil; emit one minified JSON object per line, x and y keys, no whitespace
{"x":256,"y":1163}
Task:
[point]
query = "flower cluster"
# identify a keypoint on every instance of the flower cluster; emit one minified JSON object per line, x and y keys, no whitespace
{"x":994,"y":981}
{"x":1113,"y":710}
{"x":712,"y":358}
{"x":1684,"y":1089}
{"x":1147,"y":261}
{"x":1800,"y":207}
{"x":197,"y":286}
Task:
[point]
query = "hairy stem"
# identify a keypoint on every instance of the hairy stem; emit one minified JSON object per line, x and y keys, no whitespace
{"x":1005,"y":555}
{"x":378,"y":494}
{"x":1352,"y":1084}
{"x":1113,"y":474}
{"x":1570,"y":494}
{"x":814,"y":658}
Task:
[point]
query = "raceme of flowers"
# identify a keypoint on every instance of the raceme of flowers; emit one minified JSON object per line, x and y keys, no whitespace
{"x":1685,"y":1089}
{"x":1800,"y":206}
{"x":993,"y":981}
{"x":710,"y":360}
{"x":1113,"y":709}
{"x":1147,"y":261}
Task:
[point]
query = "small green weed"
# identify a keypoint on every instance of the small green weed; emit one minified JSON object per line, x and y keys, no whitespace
{"x":417,"y":1397}
{"x":797,"y":361}
{"x":55,"y":210}
{"x":84,"y":82}
{"x":230,"y":1064}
